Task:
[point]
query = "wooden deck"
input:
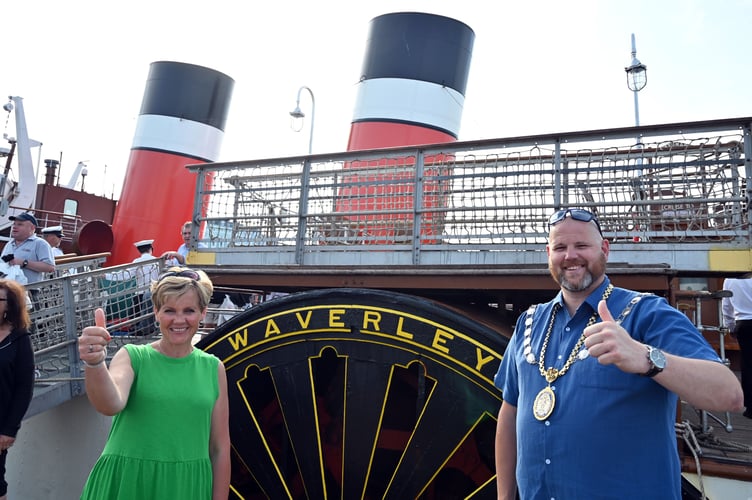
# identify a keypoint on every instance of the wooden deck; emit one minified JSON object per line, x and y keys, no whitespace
{"x":720,"y":451}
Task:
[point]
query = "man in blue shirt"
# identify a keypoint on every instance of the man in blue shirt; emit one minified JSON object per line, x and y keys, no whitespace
{"x":590,"y":382}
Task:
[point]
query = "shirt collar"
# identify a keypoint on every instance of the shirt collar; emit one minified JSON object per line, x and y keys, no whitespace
{"x":593,"y":299}
{"x":24,"y":241}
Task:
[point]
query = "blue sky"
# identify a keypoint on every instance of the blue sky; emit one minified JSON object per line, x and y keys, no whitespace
{"x":537,"y":67}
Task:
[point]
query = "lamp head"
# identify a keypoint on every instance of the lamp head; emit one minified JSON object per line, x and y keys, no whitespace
{"x":637,"y":76}
{"x":296,"y":119}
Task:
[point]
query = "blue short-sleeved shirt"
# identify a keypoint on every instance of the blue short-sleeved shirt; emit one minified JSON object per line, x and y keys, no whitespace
{"x":611,"y":434}
{"x":33,"y":248}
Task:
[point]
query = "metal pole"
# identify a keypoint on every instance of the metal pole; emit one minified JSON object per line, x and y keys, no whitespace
{"x":313,"y":113}
{"x":636,"y":104}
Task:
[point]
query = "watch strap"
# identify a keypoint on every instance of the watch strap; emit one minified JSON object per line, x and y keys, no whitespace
{"x":654,"y":370}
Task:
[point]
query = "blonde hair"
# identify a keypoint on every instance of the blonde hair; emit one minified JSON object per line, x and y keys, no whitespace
{"x":176,"y":281}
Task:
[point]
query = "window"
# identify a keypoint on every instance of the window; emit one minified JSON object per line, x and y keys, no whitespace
{"x":70,"y":208}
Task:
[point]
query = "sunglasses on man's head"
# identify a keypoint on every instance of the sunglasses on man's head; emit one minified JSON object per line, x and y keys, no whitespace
{"x":183,"y":273}
{"x":579,"y":214}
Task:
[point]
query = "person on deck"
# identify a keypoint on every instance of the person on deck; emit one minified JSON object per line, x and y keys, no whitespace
{"x":737,"y":316}
{"x":54,"y":236}
{"x":29,"y":251}
{"x":180,"y":257}
{"x":145,"y":275}
{"x":170,"y":433}
{"x":590,"y":382}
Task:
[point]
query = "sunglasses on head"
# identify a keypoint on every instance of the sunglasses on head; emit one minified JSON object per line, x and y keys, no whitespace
{"x":183,"y":273}
{"x":579,"y":214}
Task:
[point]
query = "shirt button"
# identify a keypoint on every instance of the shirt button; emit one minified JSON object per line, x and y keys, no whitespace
{"x":547,"y":423}
{"x":567,"y":329}
{"x":548,"y":461}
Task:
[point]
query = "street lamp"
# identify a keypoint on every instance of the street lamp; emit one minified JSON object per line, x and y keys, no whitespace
{"x":637,"y":78}
{"x":297,"y":115}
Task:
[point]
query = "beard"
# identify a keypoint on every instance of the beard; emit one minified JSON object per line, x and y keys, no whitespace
{"x":592,"y":274}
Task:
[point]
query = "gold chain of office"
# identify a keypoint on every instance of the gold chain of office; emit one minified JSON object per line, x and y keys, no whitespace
{"x":552,"y":373}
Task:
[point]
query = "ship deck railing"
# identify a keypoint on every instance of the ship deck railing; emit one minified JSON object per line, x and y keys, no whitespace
{"x":664,"y":194}
{"x":62,"y":306}
{"x":71,"y":224}
{"x":668,"y":201}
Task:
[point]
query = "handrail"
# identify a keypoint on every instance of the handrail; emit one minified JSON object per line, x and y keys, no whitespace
{"x":686,"y":186}
{"x":65,"y":304}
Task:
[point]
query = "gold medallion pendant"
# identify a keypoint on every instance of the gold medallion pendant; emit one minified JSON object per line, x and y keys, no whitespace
{"x":544,"y":403}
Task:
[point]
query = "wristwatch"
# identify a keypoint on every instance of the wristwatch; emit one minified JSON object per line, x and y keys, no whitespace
{"x":656,"y":360}
{"x":25,"y":263}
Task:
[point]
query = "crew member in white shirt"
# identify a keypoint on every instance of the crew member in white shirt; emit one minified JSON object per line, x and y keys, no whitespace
{"x":54,"y":236}
{"x":737,"y":315}
{"x":144,"y":276}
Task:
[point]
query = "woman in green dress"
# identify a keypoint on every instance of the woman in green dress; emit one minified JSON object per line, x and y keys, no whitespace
{"x":170,"y":433}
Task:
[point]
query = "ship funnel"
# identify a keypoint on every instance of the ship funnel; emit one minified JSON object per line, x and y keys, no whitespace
{"x":182,"y":120}
{"x":413,"y":80}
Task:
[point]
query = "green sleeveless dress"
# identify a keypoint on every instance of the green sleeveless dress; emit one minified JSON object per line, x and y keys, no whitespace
{"x":158,"y":447}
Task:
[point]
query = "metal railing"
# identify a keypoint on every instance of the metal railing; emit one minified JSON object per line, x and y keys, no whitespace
{"x":64,"y":305}
{"x":684,"y":189}
{"x":683,"y":184}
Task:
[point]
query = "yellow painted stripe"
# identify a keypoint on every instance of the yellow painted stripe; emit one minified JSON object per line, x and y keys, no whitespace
{"x":202,"y":258}
{"x":730,"y":260}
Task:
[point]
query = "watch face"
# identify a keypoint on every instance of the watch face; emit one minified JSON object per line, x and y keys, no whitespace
{"x":657,"y":358}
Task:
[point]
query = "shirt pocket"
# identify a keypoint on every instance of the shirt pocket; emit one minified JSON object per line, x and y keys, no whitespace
{"x":593,"y":374}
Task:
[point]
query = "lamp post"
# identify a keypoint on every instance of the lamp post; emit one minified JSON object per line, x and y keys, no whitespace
{"x":298,"y":116}
{"x":637,"y":78}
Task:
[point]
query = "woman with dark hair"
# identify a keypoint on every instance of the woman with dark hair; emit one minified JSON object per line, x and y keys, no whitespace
{"x":16,"y":368}
{"x":170,"y":434}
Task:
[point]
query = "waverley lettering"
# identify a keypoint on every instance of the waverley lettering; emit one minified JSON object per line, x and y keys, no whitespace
{"x":340,"y":323}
